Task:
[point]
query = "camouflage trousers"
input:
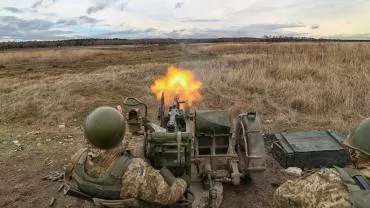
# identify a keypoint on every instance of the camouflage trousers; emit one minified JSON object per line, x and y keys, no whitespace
{"x":319,"y":190}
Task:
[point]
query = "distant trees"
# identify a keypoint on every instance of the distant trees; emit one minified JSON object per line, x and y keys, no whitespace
{"x":282,"y":38}
{"x":116,"y":41}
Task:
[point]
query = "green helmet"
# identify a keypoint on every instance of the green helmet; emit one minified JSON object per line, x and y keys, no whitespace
{"x":360,"y":139}
{"x":104,"y":127}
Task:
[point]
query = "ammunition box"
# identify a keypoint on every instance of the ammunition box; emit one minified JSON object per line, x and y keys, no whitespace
{"x":312,"y":149}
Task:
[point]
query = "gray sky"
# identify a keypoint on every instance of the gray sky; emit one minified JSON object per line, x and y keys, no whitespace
{"x":61,"y":19}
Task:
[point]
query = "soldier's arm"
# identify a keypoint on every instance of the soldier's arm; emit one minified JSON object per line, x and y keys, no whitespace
{"x":144,"y":182}
{"x":315,"y":190}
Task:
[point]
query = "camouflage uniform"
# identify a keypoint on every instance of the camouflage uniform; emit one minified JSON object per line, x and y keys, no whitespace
{"x":111,"y":177}
{"x":144,"y":182}
{"x":134,"y":143}
{"x":320,"y":189}
{"x":140,"y":181}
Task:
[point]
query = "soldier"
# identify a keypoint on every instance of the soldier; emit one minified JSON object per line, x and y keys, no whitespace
{"x":112,"y":178}
{"x":335,"y":187}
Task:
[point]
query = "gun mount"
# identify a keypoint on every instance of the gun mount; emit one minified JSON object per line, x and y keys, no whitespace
{"x":134,"y":120}
{"x":228,"y":152}
{"x":211,"y":150}
{"x":176,"y":117}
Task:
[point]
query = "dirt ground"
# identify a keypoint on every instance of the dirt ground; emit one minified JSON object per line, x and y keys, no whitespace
{"x":46,"y":93}
{"x":22,"y":183}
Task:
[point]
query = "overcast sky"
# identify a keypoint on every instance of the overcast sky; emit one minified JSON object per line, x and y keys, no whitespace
{"x":62,"y":19}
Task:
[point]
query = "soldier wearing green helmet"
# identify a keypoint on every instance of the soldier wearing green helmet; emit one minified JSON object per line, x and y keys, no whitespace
{"x":104,"y":127}
{"x":334,"y":187}
{"x":360,"y":140}
{"x":109,"y":177}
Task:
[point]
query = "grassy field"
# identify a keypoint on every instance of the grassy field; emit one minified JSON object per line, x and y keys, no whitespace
{"x":292,"y":86}
{"x":299,"y":85}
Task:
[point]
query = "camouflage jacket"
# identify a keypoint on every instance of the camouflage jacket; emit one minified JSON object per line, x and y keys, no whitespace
{"x":320,"y":189}
{"x":140,"y":180}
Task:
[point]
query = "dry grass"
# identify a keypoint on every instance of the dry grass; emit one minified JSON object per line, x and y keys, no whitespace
{"x":291,"y":86}
{"x":48,"y":55}
{"x":295,"y":85}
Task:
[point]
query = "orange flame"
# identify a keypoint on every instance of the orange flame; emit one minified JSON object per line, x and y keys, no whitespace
{"x":178,"y":81}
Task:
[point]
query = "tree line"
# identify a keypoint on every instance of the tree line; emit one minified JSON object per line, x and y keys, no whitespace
{"x":116,"y":41}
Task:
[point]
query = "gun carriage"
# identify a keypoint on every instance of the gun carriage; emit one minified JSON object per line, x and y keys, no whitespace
{"x":210,"y":147}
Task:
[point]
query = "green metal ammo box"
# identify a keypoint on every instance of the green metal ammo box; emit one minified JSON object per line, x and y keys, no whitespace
{"x":312,"y":149}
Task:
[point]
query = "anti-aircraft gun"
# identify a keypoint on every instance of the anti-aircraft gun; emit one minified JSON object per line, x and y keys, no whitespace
{"x":210,"y":147}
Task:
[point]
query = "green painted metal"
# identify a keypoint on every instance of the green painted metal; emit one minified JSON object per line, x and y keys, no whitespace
{"x":104,"y":127}
{"x":171,"y":150}
{"x":311,"y":149}
{"x":212,"y":132}
{"x":210,"y":122}
{"x":253,"y":146}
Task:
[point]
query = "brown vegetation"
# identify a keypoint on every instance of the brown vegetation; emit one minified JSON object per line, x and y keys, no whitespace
{"x":296,"y":85}
{"x":291,"y":85}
